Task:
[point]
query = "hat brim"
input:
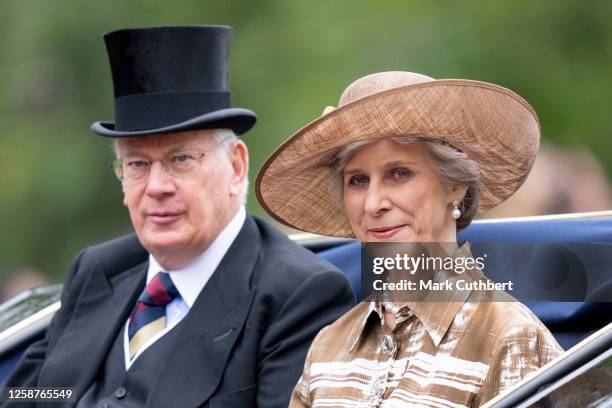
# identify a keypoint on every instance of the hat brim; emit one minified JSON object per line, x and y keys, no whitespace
{"x":238,"y":119}
{"x":494,"y":127}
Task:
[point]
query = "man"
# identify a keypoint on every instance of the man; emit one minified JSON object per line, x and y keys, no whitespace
{"x":205,"y":305}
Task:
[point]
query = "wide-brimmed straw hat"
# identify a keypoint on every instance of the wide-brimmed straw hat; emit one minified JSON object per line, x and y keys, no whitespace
{"x":300,"y":187}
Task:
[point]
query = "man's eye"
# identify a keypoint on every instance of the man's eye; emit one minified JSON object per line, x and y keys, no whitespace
{"x":182,"y":158}
{"x":400,"y":174}
{"x":357,"y":180}
{"x":137,"y":164}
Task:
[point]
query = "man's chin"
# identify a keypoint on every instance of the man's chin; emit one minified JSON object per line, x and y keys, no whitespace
{"x":162,"y":242}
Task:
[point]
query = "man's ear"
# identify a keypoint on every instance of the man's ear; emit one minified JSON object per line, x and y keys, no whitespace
{"x":239,"y":160}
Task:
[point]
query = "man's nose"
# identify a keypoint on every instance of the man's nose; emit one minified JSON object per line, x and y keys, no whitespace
{"x":159,"y":182}
{"x":377,"y":200}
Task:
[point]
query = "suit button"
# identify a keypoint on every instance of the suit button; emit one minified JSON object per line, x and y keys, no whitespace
{"x":120,"y":392}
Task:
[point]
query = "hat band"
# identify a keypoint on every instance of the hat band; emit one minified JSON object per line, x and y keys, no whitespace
{"x":156,"y":110}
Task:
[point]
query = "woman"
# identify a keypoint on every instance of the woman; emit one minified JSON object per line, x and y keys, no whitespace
{"x":406,"y":158}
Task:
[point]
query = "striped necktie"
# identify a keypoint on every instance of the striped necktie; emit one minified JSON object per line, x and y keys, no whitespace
{"x":149,"y":315}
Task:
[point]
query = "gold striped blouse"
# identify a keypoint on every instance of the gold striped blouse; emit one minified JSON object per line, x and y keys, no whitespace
{"x":440,"y":354}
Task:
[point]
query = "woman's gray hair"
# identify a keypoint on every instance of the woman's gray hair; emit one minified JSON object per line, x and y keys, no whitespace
{"x":452,"y":165}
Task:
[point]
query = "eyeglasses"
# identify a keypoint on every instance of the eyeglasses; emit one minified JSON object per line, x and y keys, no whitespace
{"x":178,"y":164}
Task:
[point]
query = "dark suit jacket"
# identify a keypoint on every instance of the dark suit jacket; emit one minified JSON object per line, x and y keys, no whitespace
{"x":242,"y":344}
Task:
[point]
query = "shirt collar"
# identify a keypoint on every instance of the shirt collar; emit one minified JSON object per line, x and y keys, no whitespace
{"x":435,"y":315}
{"x":191,"y":279}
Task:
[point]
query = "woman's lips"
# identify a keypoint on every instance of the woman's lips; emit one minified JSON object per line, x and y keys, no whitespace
{"x":385,"y":232}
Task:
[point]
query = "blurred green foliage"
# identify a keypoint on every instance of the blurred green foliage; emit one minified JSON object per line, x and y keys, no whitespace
{"x":289,"y":60}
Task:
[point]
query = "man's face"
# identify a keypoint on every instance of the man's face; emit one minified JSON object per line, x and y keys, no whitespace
{"x":177,"y":217}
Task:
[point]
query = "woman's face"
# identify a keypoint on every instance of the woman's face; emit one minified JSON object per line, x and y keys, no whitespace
{"x":392,"y":193}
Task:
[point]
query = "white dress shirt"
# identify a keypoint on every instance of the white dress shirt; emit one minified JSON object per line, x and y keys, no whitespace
{"x":189,"y":281}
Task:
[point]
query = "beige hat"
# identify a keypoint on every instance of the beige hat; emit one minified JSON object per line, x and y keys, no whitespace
{"x":492,"y":125}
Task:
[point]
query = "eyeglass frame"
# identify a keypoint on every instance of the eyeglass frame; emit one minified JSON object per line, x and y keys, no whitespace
{"x":117,"y":164}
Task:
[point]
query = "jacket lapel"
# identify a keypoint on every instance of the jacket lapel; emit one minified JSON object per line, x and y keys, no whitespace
{"x":195,"y":363}
{"x":101,"y":311}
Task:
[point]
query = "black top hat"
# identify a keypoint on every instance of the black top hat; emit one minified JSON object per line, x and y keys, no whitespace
{"x":170,"y":79}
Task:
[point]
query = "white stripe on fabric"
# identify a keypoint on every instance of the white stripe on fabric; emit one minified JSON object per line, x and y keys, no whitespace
{"x":407,"y":396}
{"x":340,"y":402}
{"x":450,"y":364}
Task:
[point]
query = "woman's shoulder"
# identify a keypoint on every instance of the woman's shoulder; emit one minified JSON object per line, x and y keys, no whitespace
{"x":339,"y":335}
{"x":510,"y":319}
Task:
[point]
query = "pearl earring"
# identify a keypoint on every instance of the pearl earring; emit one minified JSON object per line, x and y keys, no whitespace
{"x":456,"y":213}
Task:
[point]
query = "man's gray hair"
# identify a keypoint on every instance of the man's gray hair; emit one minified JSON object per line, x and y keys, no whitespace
{"x":452,"y":165}
{"x":227,"y":138}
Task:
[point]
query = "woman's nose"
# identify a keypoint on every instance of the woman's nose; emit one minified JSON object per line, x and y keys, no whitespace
{"x":377,"y":200}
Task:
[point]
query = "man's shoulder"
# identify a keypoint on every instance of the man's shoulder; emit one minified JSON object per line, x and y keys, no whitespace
{"x":284,"y":268}
{"x":118,"y":254}
{"x":283,"y":257}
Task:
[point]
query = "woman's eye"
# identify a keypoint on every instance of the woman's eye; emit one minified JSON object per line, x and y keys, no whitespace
{"x":400,"y":174}
{"x":357,"y":180}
